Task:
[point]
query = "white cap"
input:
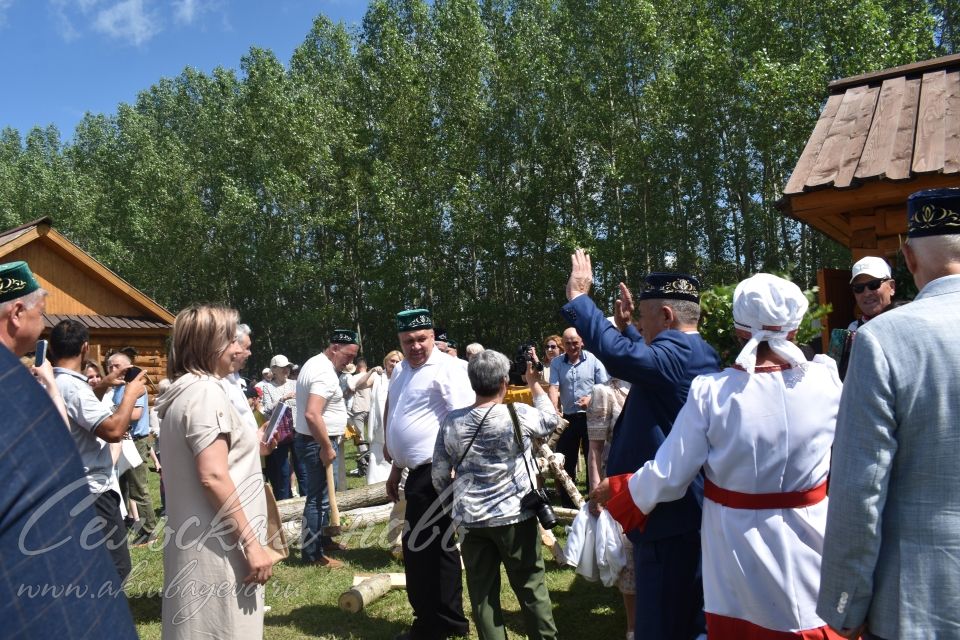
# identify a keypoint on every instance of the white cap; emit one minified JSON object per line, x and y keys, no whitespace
{"x":265,"y":371}
{"x":872,"y":266}
{"x":279,"y":361}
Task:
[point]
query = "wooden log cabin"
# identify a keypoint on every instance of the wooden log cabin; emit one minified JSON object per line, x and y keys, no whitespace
{"x":117,"y":314}
{"x":881,"y":136}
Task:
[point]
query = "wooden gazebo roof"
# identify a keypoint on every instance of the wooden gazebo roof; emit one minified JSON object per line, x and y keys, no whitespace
{"x":880,"y":137}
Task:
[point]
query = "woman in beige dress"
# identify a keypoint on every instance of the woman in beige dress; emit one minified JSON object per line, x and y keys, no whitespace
{"x":214,"y":563}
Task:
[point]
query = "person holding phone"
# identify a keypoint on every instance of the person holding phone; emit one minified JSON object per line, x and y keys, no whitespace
{"x":22,"y":301}
{"x":93,"y":427}
{"x":133,"y":483}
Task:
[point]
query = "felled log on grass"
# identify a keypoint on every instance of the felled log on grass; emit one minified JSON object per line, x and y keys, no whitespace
{"x":365,"y":592}
{"x":370,"y":495}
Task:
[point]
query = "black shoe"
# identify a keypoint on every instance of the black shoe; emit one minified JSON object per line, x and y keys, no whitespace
{"x":141,"y":540}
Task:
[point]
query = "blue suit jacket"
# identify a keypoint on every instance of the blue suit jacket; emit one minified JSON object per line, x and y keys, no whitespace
{"x":660,"y":375}
{"x":44,"y":509}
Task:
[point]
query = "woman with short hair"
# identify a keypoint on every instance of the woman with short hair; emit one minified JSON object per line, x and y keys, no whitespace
{"x":478,"y":454}
{"x":216,"y":508}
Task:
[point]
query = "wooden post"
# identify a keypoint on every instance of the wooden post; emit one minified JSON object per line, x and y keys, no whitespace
{"x":334,"y":529}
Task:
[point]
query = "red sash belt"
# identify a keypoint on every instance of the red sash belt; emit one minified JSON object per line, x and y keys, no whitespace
{"x":789,"y":500}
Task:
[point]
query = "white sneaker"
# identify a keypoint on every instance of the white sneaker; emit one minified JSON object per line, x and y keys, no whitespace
{"x":267,"y":608}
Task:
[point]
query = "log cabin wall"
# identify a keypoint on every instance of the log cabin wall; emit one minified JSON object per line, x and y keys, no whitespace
{"x":82,"y":289}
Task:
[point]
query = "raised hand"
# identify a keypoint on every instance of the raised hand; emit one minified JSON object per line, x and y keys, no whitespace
{"x":623,"y":314}
{"x":581,"y":275}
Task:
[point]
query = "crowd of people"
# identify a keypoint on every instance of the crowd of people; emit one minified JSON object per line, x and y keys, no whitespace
{"x":779,"y":497}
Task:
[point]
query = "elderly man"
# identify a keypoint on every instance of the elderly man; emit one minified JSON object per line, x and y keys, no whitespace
{"x":873,"y":288}
{"x":232,"y":383}
{"x":133,"y":483}
{"x":93,"y":426}
{"x":46,"y":512}
{"x":572,"y":377}
{"x":424,"y":388}
{"x":763,"y":520}
{"x":321,"y":418}
{"x":893,"y":525}
{"x":22,"y":302}
{"x":660,"y":366}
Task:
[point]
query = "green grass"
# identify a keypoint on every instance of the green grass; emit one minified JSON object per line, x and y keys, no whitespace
{"x":304,"y":598}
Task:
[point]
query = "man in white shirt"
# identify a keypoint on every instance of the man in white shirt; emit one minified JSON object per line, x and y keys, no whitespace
{"x":424,"y":388}
{"x":93,"y":426}
{"x":321,"y":417}
{"x":232,"y":384}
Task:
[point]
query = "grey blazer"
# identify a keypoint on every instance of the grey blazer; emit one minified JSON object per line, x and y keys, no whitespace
{"x":891,"y":553}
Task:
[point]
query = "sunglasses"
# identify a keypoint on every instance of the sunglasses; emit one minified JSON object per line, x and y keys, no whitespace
{"x":552,"y":346}
{"x":873,"y":285}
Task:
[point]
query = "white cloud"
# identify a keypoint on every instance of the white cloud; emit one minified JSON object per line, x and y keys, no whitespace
{"x":186,"y":12}
{"x":128,"y":20}
{"x":4,"y":5}
{"x":64,"y":24}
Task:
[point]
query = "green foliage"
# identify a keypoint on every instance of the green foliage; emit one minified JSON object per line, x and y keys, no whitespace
{"x":716,"y":320}
{"x":451,"y":154}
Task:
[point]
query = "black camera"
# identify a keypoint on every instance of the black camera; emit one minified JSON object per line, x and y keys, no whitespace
{"x":537,"y":502}
{"x":518,"y":368}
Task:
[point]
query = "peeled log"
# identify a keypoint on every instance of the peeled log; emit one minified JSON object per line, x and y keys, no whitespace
{"x":365,"y":593}
{"x":560,"y":475}
{"x":368,"y":496}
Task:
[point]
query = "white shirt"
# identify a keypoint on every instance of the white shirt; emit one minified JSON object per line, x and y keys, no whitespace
{"x":318,"y":377}
{"x":231,"y":384}
{"x":419,"y":400}
{"x":85,"y":413}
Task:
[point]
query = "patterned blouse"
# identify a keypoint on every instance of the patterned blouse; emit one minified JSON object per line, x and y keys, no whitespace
{"x":272,"y":394}
{"x":492,"y":478}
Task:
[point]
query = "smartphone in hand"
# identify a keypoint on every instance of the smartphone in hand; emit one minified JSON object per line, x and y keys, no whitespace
{"x":131,"y":373}
{"x":41,"y":353}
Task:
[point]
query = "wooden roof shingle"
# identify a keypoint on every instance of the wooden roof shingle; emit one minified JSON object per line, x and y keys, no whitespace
{"x":896,"y":124}
{"x":50,"y":320}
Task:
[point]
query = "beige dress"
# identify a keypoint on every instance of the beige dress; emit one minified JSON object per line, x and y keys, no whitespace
{"x":203,"y":566}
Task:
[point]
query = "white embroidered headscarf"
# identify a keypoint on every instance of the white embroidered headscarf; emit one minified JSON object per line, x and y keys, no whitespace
{"x":770,"y":309}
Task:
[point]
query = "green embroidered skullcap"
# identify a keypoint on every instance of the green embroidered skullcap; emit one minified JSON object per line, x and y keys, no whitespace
{"x":16,"y":281}
{"x":414,"y":320}
{"x":345,"y":336}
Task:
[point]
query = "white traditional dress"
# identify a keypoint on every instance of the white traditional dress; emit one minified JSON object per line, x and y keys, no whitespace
{"x":763,"y":440}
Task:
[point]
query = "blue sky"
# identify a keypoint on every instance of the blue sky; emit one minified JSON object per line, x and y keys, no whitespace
{"x":63,"y":58}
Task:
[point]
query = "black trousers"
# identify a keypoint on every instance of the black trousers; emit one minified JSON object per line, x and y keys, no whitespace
{"x":107,"y":506}
{"x":570,"y":443}
{"x":431,"y":562}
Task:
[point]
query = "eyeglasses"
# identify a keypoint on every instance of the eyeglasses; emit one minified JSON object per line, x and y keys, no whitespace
{"x":873,"y":285}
